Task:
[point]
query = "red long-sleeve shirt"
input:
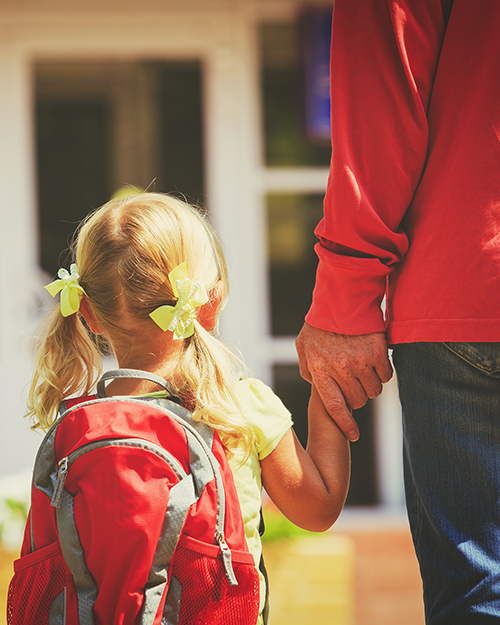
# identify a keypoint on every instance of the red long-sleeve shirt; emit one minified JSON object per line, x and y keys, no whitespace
{"x":412,"y":209}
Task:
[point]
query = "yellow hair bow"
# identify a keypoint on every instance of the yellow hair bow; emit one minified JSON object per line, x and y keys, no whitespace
{"x":72,"y":292}
{"x":191,"y":294}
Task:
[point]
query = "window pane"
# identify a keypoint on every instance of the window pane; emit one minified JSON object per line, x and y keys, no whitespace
{"x":100,"y":126}
{"x":283,"y":93}
{"x":181,"y":149}
{"x":291,"y":220}
{"x":72,"y":171}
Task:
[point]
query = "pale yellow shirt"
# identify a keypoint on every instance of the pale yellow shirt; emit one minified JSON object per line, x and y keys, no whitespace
{"x":270,"y":421}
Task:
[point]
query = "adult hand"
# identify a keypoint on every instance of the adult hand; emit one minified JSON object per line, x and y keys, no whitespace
{"x":346,"y":370}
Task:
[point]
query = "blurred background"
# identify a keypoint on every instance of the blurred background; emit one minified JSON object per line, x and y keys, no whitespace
{"x":223,"y":102}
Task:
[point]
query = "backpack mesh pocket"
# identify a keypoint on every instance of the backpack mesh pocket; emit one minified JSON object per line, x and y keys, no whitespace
{"x":38,"y":579}
{"x":206,"y":596}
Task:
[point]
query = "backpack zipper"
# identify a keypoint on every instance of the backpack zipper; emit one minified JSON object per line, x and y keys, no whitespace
{"x":62,"y":471}
{"x":226,"y":559}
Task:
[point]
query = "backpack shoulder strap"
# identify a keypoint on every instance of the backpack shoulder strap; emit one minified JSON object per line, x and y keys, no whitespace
{"x":133,"y":374}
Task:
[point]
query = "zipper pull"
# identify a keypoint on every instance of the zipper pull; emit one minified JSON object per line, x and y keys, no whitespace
{"x":61,"y":478}
{"x":226,"y":558}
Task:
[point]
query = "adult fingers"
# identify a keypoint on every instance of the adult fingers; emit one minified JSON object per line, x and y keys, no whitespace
{"x":336,"y":406}
{"x":368,"y":361}
{"x":371,"y":384}
{"x":384,"y":369}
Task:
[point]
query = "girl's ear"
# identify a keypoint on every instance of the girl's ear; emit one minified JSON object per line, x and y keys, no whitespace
{"x":89,"y":316}
{"x":207,"y":314}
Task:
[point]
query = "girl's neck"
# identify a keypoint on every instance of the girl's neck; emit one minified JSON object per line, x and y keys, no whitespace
{"x":161,"y":359}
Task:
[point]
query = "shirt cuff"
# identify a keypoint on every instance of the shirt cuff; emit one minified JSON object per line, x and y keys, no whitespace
{"x":348,"y":294}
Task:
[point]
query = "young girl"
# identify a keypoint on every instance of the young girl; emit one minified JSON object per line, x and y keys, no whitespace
{"x":150,"y":278}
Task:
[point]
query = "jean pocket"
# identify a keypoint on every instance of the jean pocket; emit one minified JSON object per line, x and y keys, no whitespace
{"x":482,"y":356}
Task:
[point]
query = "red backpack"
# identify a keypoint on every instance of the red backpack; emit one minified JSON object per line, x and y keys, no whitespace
{"x":134,"y":519}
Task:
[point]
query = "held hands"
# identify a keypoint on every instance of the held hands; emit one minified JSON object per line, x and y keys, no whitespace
{"x":346,"y":370}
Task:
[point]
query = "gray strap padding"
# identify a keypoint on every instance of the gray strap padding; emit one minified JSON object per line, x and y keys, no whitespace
{"x":182,"y":496}
{"x":57,"y":614}
{"x":172,"y":608}
{"x":201,"y":470}
{"x":45,"y":472}
{"x":73,"y":554}
{"x":221,"y":494}
{"x":134,"y":374}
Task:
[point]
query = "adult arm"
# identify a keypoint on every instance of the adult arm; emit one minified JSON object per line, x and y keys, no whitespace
{"x":384,"y":57}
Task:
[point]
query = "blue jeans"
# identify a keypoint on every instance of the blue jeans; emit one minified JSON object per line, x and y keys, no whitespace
{"x":450,"y":396}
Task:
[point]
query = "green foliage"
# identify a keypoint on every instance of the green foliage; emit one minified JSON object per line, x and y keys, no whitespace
{"x":15,"y":491}
{"x":279,"y":527}
{"x":18,"y":509}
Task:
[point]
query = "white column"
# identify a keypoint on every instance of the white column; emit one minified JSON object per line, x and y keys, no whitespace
{"x":388,"y":446}
{"x":18,"y":255}
{"x":233,"y":144}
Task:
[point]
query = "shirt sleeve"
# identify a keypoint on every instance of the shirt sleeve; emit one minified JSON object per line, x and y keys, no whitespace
{"x":269,"y":418}
{"x":384,"y":57}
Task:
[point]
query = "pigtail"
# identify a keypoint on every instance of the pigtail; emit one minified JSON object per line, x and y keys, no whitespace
{"x":208,"y":367}
{"x":67,"y":362}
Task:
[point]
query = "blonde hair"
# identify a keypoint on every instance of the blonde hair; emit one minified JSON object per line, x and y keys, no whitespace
{"x":124,"y":252}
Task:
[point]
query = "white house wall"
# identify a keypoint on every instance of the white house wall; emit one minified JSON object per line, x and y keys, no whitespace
{"x":223,"y":40}
{"x":222,"y":34}
{"x":18,"y":252}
